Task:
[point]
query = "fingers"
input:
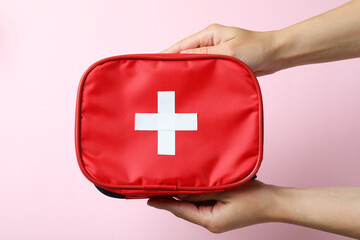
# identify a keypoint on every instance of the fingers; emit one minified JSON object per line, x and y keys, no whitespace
{"x":182,"y":209}
{"x":199,"y":39}
{"x":219,"y":196}
{"x":218,"y":49}
{"x":194,"y":41}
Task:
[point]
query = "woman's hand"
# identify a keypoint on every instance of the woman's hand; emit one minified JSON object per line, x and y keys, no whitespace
{"x":246,"y":205}
{"x":331,"y":36}
{"x":335,"y":210}
{"x":256,"y":49}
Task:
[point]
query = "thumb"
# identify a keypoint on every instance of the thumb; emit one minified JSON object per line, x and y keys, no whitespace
{"x":218,"y":49}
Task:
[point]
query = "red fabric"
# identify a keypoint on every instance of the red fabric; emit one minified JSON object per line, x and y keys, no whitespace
{"x":224,"y":152}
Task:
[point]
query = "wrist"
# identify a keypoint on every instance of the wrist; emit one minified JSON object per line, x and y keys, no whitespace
{"x":281,"y":50}
{"x":275,"y":45}
{"x":282,"y":202}
{"x":271,"y":204}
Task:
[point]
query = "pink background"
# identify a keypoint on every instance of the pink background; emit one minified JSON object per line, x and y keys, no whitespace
{"x":312,"y":130}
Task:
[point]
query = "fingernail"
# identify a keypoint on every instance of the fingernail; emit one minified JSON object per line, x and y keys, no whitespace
{"x":153,"y":204}
{"x":183,"y":195}
{"x":187,"y":51}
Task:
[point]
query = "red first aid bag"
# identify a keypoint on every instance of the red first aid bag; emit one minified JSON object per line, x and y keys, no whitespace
{"x":168,"y":124}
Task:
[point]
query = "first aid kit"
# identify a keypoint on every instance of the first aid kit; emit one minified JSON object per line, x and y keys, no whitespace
{"x":168,"y":124}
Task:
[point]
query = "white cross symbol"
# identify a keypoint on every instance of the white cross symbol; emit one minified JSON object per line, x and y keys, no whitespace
{"x":166,"y":122}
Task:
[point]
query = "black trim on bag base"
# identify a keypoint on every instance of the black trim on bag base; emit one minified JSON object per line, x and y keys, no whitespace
{"x":108,"y":193}
{"x":116,"y":195}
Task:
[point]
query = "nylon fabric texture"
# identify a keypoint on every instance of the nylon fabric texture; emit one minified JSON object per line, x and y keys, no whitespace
{"x":223,"y":151}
